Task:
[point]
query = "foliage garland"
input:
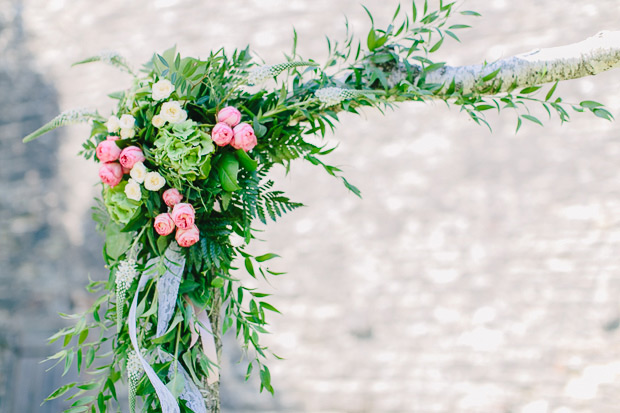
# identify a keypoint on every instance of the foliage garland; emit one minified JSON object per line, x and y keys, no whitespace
{"x":185,"y":164}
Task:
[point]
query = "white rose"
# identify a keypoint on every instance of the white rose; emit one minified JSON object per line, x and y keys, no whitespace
{"x":127,"y":122}
{"x":154,"y":181}
{"x":132,"y":190}
{"x":113,"y":124}
{"x":162,"y":89}
{"x":127,"y":133}
{"x":158,"y":121}
{"x":138,"y":172}
{"x":172,"y":112}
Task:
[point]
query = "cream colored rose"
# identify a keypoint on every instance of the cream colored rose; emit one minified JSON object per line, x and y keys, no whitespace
{"x":162,"y":89}
{"x":158,"y":121}
{"x":132,"y":190}
{"x":127,"y":133}
{"x":153,"y":181}
{"x":113,"y":124}
{"x":127,"y":122}
{"x":138,"y":172}
{"x":172,"y":112}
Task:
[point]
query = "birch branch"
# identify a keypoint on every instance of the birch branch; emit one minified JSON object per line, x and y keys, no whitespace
{"x":589,"y":57}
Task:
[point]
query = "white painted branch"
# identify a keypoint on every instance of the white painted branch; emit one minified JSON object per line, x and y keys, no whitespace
{"x":592,"y":56}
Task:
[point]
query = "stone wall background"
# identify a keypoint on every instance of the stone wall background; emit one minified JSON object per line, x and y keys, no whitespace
{"x":480,"y":272}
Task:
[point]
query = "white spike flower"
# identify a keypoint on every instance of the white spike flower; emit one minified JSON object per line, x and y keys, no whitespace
{"x":331,"y":96}
{"x":134,"y":372}
{"x":125,"y":274}
{"x":261,"y":74}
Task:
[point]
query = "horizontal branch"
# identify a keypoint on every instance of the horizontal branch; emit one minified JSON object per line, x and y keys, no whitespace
{"x":592,"y":56}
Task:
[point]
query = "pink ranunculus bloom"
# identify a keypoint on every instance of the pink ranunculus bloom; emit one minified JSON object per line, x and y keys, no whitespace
{"x":164,"y":224}
{"x":108,"y":151}
{"x":111,"y":173}
{"x":244,"y":137}
{"x":113,"y":137}
{"x":187,"y":237}
{"x":130,"y":155}
{"x":222,"y":134}
{"x":183,"y":215}
{"x":172,"y":196}
{"x":229,"y":115}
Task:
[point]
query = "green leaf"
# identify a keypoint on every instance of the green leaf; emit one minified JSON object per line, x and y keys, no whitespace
{"x":470,"y":13}
{"x":550,"y":92}
{"x":602,"y":113}
{"x":116,"y":242}
{"x":590,"y":104}
{"x":245,"y":160}
{"x":218,"y":282}
{"x":532,"y":119}
{"x":60,"y":391}
{"x":228,"y":168}
{"x":491,"y":75}
{"x":528,"y":90}
{"x":436,"y":46}
{"x":266,"y":257}
{"x":249,"y":267}
{"x":83,"y":336}
{"x":371,"y":39}
{"x":269,"y":307}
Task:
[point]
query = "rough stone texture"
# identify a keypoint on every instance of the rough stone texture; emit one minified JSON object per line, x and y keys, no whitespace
{"x":479,"y":273}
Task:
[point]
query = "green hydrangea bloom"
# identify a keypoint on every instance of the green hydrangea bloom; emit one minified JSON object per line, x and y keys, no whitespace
{"x":120,"y":208}
{"x":184,"y":150}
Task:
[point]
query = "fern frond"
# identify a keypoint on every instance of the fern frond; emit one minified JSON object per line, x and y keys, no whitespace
{"x":69,"y":117}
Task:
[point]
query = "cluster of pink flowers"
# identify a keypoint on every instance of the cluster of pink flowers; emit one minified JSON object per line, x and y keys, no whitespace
{"x":228,"y":130}
{"x":181,"y":217}
{"x":116,"y":162}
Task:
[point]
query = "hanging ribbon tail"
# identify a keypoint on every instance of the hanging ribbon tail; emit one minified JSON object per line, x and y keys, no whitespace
{"x":191,"y":393}
{"x":203,"y":328}
{"x":167,"y":401}
{"x":168,"y":286}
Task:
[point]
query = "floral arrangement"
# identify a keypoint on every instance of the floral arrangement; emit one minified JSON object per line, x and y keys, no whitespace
{"x":184,"y":168}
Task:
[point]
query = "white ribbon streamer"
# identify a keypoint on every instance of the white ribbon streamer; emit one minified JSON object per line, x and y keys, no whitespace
{"x":203,"y":328}
{"x":167,"y":401}
{"x":191,"y":393}
{"x":168,"y":287}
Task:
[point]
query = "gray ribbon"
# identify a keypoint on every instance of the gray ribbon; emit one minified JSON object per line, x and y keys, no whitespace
{"x":167,"y":401}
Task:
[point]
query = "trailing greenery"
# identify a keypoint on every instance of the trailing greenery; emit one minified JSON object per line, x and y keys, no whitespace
{"x":229,"y":188}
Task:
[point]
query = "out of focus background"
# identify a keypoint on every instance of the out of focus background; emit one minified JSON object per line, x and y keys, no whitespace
{"x":480,"y":273}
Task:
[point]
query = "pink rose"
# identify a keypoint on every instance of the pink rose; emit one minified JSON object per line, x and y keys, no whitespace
{"x":187,"y":237}
{"x":183,"y":215}
{"x":229,"y":115}
{"x":113,"y":137}
{"x":172,"y":196}
{"x":163,"y":224}
{"x":244,"y":137}
{"x":108,"y":151}
{"x":130,"y":155}
{"x":222,"y":134}
{"x":111,"y":173}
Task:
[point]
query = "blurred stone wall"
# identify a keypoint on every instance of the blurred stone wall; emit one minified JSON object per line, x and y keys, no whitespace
{"x":480,"y":272}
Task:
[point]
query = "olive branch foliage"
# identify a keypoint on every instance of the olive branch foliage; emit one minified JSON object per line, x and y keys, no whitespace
{"x":388,"y":67}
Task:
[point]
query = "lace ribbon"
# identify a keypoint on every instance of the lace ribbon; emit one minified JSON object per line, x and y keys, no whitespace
{"x":191,"y":393}
{"x":167,"y":401}
{"x":168,"y":287}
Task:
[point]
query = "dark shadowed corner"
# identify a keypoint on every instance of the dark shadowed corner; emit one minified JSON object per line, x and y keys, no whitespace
{"x":38,"y":264}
